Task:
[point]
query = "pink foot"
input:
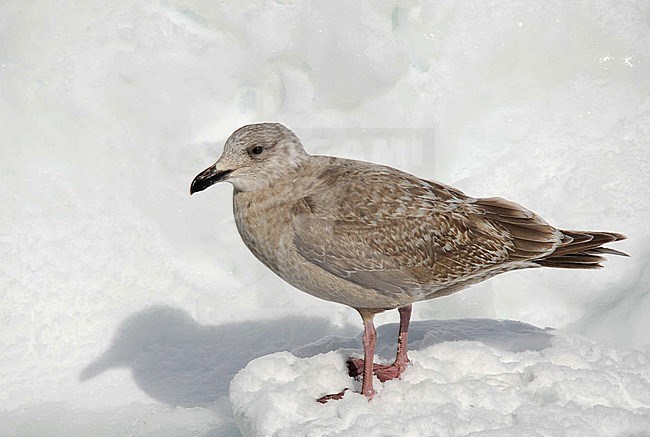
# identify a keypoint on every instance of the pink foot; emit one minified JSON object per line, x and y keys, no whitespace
{"x":335,"y":397}
{"x":384,"y":372}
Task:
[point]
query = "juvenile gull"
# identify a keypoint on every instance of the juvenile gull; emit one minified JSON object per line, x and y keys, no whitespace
{"x":376,"y":238}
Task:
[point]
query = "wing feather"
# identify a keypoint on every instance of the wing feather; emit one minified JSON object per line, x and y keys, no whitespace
{"x":395,"y":233}
{"x":389,"y":231}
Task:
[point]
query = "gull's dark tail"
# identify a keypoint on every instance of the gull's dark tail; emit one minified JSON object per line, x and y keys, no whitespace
{"x":582,"y":250}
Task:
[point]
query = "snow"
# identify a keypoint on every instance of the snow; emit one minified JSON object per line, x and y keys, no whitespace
{"x":457,"y":385}
{"x":128,"y":307}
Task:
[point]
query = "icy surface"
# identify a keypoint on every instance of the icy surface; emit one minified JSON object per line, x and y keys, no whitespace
{"x":565,"y":385}
{"x":127,"y":307}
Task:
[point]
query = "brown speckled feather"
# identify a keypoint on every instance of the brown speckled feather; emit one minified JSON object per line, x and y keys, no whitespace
{"x":395,"y":233}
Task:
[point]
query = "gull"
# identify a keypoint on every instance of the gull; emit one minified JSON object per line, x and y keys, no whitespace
{"x":376,"y":238}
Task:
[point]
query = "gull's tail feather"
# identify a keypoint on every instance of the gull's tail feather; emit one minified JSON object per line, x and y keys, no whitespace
{"x":582,"y":250}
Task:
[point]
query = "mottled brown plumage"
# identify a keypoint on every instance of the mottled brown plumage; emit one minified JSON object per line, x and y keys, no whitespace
{"x":376,"y":238}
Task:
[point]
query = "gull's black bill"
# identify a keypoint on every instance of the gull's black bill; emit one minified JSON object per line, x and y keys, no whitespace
{"x":208,"y":177}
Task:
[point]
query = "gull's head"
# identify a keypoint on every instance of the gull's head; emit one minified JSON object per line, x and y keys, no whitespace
{"x":254,"y":157}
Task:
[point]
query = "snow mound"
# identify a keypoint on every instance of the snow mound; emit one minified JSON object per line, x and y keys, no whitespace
{"x":569,"y":385}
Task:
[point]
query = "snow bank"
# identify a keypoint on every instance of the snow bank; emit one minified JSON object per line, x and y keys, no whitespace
{"x":563,"y":385}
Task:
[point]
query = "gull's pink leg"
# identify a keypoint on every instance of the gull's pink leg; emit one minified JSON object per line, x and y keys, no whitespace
{"x":369,"y":341}
{"x":387,"y":372}
{"x":402,"y":359}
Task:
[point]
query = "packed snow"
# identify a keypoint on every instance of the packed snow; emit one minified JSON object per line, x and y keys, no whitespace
{"x":468,"y":377}
{"x":129,"y":307}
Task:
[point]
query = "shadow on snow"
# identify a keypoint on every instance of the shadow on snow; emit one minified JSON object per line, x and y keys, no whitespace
{"x":177,"y":361}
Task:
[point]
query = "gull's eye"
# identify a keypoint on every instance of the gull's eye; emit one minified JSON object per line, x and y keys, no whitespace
{"x":257,"y":150}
